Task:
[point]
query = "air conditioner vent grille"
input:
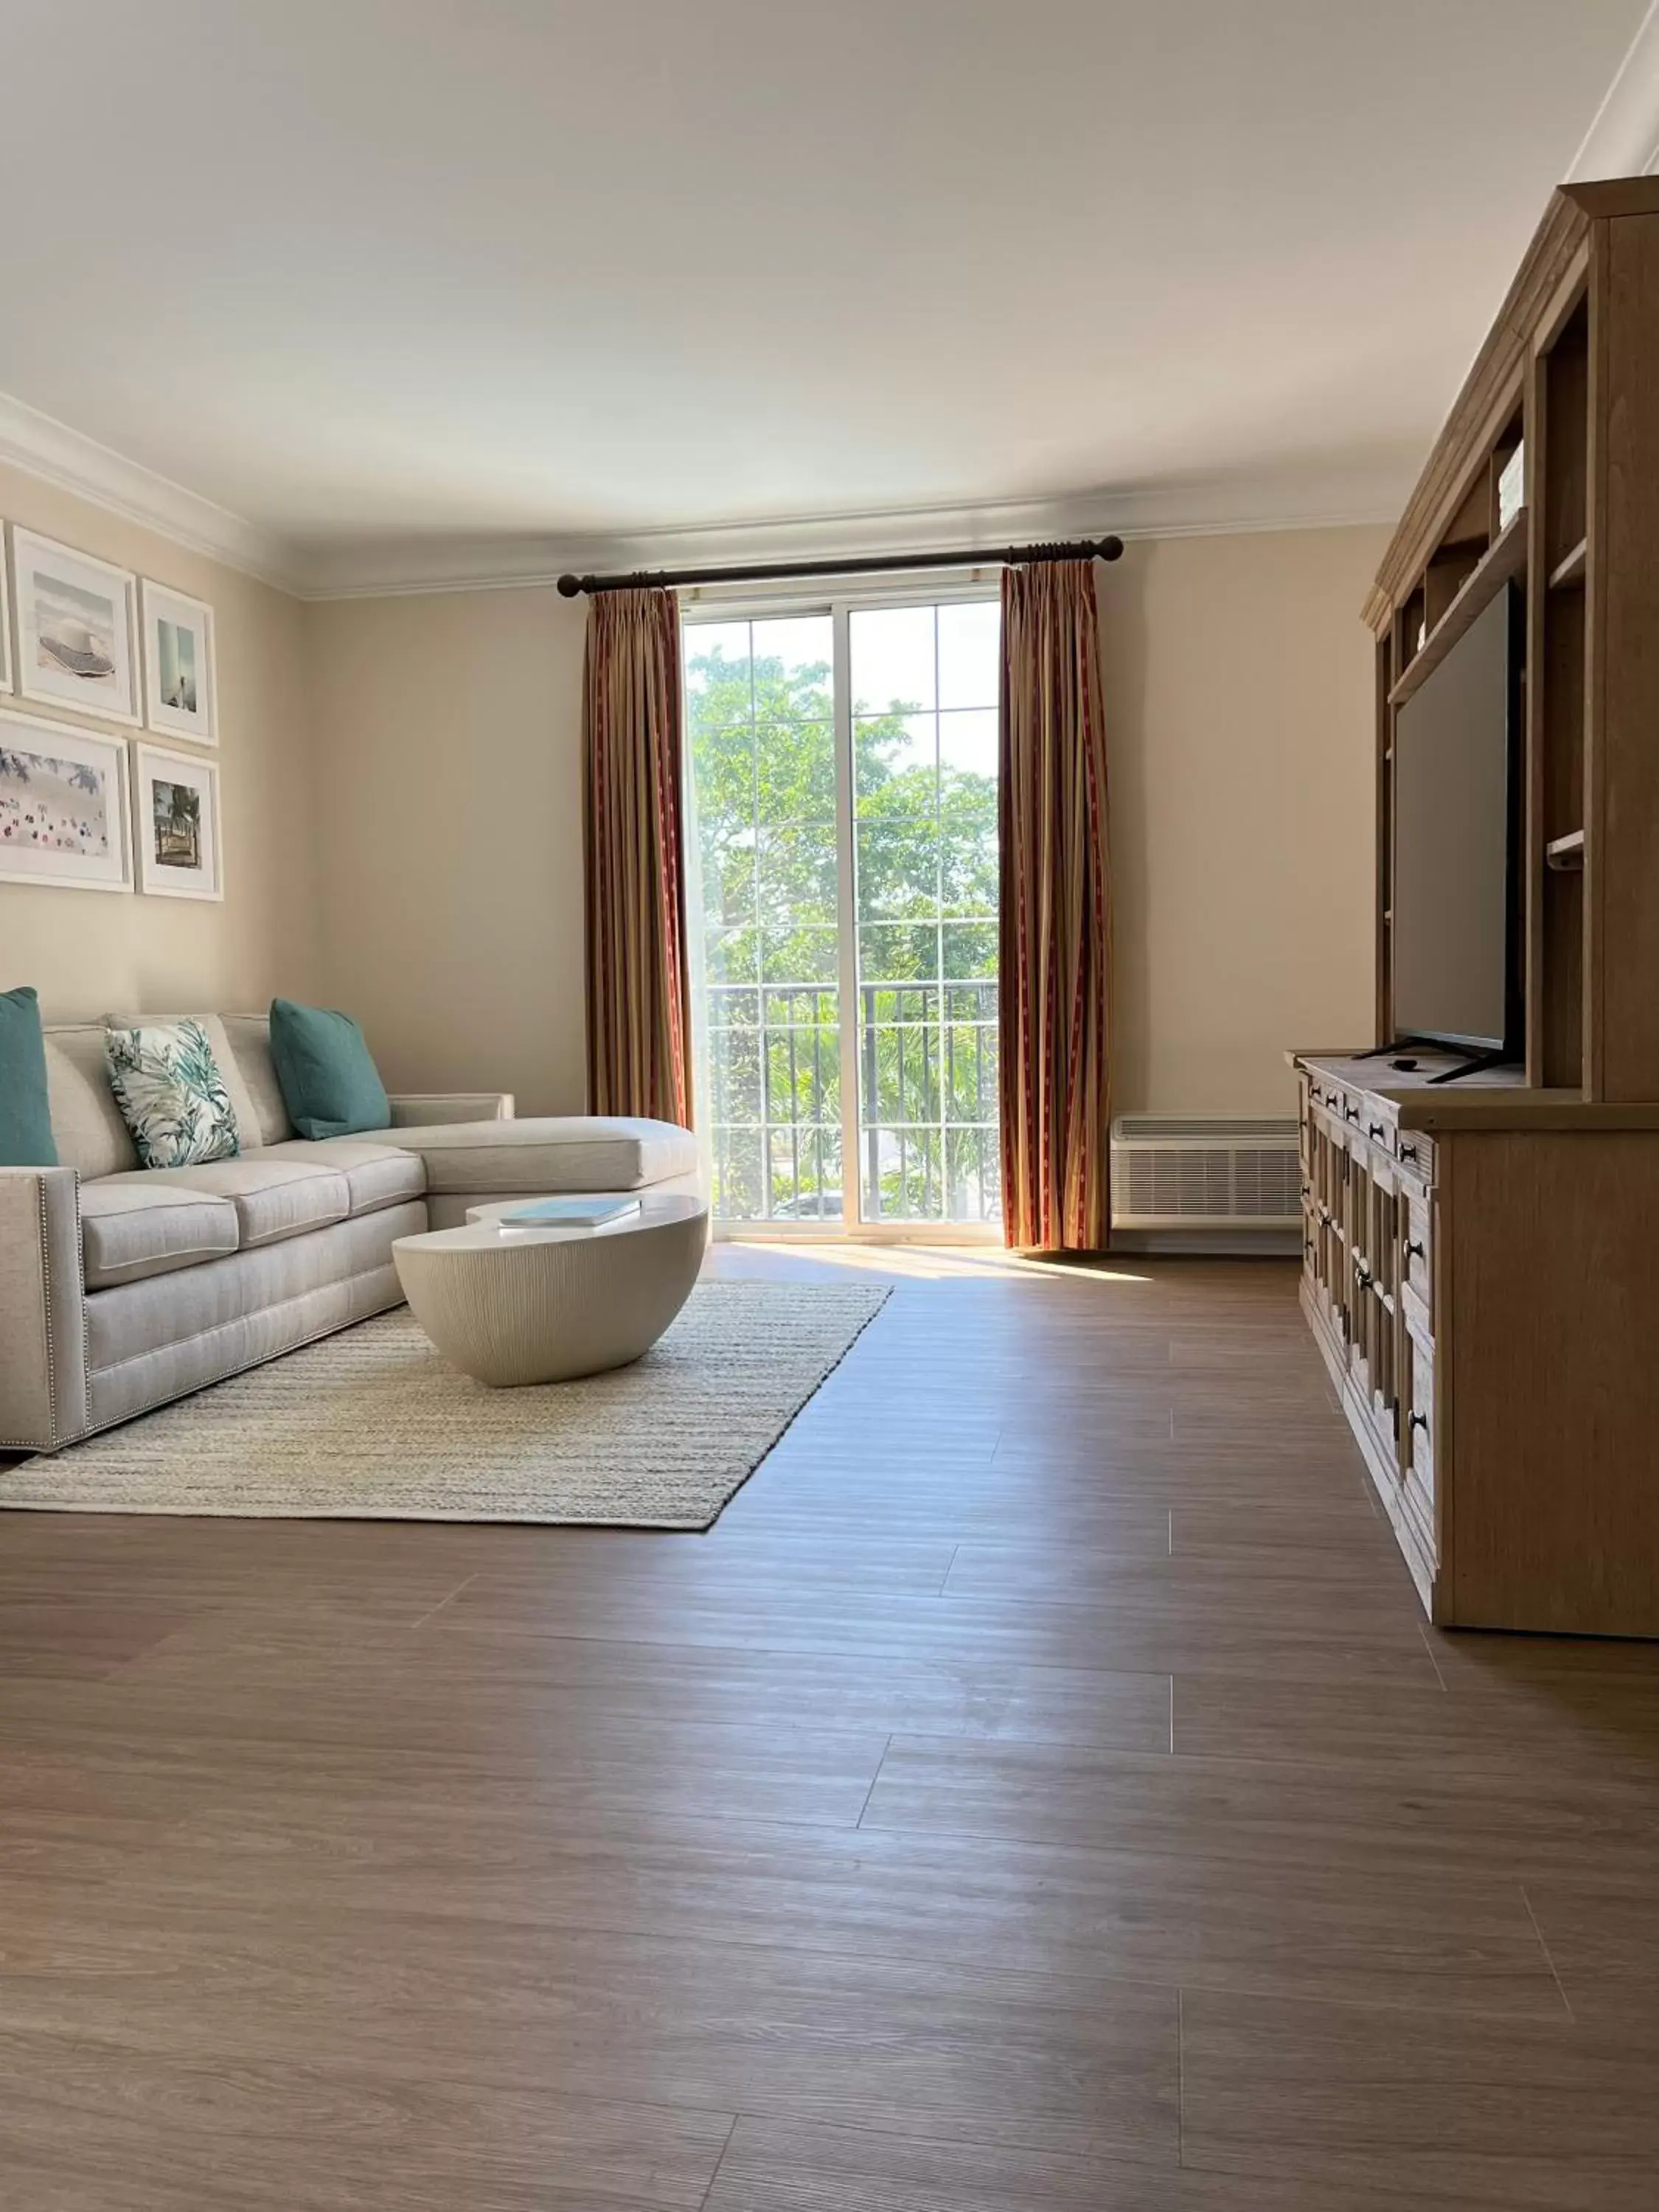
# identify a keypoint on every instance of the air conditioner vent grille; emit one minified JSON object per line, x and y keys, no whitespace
{"x":1225,"y":1171}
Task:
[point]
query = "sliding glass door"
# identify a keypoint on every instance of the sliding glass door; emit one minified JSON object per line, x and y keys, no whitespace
{"x":760,"y":712}
{"x":843,"y":773}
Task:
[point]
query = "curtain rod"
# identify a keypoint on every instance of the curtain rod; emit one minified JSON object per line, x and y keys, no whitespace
{"x":1081,"y":548}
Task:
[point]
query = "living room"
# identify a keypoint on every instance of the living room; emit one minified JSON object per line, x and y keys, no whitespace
{"x":828,"y":1116}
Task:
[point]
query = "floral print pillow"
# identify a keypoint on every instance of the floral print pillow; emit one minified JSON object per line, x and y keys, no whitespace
{"x":171,"y":1094}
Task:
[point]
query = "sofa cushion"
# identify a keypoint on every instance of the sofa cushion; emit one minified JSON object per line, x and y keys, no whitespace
{"x":376,"y":1174}
{"x":250,"y":1121}
{"x":86,"y":1122}
{"x":553,"y":1153}
{"x":131,"y":1230}
{"x":171,"y":1094}
{"x":330,"y":1082}
{"x":274,"y":1198}
{"x":26,"y":1139}
{"x":249,"y":1038}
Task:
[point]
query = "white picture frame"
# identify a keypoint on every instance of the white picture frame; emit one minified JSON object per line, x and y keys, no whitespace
{"x":175,"y":823}
{"x":77,"y":630}
{"x":5,"y":617}
{"x":65,"y":817}
{"x":181,"y":696}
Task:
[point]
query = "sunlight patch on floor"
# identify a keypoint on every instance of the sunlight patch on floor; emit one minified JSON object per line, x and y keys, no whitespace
{"x":931,"y":1263}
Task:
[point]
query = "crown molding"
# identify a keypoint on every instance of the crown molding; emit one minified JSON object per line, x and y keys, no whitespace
{"x":368,"y":568}
{"x":42,"y":447}
{"x":354,"y":570}
{"x":1623,"y":140}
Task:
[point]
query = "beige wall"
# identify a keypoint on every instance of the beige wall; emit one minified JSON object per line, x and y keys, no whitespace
{"x":402,"y":795}
{"x":1239,"y":713}
{"x":448,"y":728}
{"x":1237,"y":681}
{"x":92,"y":952}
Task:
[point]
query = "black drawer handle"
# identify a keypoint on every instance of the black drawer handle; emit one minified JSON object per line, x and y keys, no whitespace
{"x":1415,"y":1252}
{"x":1363,"y":1273}
{"x":1351,"y":1113}
{"x":1421,"y":1421}
{"x":1377,"y":1131}
{"x":1408,"y":1151}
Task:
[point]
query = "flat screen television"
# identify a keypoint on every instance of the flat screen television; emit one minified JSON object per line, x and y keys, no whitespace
{"x":1456,"y":930}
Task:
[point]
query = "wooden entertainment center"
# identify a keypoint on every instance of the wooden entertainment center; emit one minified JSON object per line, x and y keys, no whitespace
{"x":1482,"y":1259}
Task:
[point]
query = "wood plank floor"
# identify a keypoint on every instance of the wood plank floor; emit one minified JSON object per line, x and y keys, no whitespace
{"x":1038,"y":1791}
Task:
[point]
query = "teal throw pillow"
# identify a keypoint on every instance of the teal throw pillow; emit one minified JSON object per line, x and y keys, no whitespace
{"x":331,"y":1085}
{"x":171,"y":1094}
{"x":26,"y":1139}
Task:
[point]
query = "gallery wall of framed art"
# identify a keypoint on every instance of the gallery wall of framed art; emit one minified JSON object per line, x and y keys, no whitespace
{"x":249,"y":922}
{"x":84,"y":809}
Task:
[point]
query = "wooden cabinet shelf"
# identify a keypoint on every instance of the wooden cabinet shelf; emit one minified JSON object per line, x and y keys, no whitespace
{"x":1568,"y":575}
{"x":1506,"y":560}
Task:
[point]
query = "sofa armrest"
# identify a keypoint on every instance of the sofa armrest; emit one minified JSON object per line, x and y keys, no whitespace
{"x":422,"y":1112}
{"x":43,"y":1330}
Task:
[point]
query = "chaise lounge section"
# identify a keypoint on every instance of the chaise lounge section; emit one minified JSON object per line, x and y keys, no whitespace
{"x":122,"y":1286}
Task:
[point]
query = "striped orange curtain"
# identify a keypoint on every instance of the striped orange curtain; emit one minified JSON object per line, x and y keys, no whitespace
{"x":638,"y":1000}
{"x":1055,"y":932}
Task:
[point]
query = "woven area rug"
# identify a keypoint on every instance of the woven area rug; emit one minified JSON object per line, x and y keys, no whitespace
{"x":373,"y":1424}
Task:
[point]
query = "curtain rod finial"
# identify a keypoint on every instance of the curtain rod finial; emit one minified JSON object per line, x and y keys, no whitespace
{"x":571,"y":586}
{"x":1111,"y":549}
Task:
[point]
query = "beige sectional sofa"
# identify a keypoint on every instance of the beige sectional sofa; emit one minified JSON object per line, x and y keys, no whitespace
{"x":123,"y":1286}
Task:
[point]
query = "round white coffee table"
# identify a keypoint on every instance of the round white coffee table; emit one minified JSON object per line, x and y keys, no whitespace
{"x":511,"y":1304}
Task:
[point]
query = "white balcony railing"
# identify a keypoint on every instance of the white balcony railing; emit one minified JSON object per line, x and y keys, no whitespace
{"x":928,"y":1137}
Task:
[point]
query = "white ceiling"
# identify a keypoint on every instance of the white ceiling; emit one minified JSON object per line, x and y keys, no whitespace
{"x":423,"y":269}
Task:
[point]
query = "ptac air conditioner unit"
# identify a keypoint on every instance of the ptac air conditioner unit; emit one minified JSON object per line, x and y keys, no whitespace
{"x":1207,"y":1174}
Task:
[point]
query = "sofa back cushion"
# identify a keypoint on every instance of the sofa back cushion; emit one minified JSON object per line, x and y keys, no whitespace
{"x":86,"y":1122}
{"x":26,"y":1139}
{"x":248,"y":1037}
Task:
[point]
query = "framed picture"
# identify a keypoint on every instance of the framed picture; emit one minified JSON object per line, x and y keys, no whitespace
{"x":62,"y":806}
{"x":179,"y":698}
{"x":175,"y":812}
{"x":77,"y":629}
{"x":5,"y":619}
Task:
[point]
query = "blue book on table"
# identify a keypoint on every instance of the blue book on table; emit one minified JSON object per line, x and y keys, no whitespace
{"x":570,"y":1212}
